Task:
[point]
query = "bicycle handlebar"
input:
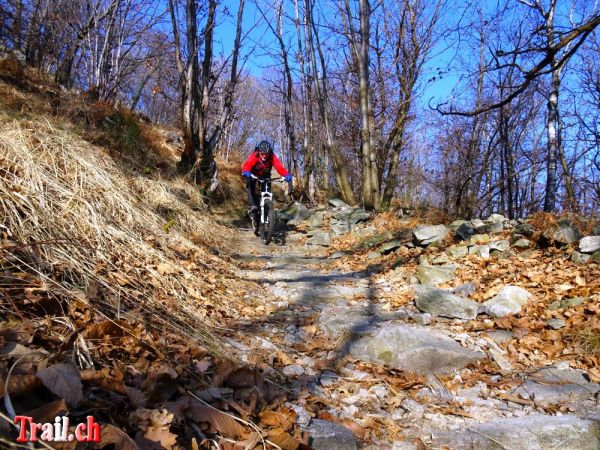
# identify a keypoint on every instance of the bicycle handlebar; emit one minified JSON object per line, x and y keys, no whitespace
{"x":267,"y":179}
{"x":263,"y":180}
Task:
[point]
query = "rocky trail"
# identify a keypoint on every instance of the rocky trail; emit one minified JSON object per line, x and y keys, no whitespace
{"x":364,"y":372}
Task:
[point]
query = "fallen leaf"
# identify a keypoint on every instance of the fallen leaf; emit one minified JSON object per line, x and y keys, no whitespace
{"x":276,"y":420}
{"x":63,"y":380}
{"x":107,"y":328}
{"x":47,"y":412}
{"x":165,"y":269}
{"x":218,"y":420}
{"x":161,"y":436}
{"x":282,"y":439}
{"x":113,"y":435}
{"x":136,"y":397}
{"x":20,"y":384}
{"x":16,"y":350}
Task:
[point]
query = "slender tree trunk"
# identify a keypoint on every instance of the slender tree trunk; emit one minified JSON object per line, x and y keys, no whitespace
{"x":339,"y":165}
{"x":370,"y":188}
{"x":552,"y":133}
{"x":208,"y":167}
{"x":304,"y":88}
{"x":190,"y":97}
{"x":288,"y":113}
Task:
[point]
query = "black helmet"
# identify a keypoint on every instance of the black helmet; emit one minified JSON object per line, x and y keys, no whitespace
{"x":264,"y":147}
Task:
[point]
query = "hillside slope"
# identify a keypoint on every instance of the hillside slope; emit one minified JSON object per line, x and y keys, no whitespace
{"x":116,"y":280}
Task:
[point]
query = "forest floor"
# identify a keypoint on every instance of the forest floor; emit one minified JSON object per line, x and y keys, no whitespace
{"x":326,"y":320}
{"x":126,"y":296}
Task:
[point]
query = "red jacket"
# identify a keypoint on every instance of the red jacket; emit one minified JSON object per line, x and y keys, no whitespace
{"x":263,"y":169}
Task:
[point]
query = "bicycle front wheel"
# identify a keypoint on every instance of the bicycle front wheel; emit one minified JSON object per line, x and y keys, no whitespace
{"x":268,"y":222}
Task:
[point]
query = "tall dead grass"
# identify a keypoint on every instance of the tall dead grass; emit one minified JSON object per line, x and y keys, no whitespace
{"x":72,"y":210}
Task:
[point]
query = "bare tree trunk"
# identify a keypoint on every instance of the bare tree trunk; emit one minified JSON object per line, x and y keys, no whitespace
{"x":18,"y":25}
{"x":207,"y":166}
{"x":305,"y":93}
{"x":370,"y":186}
{"x":288,"y":113}
{"x":552,"y":133}
{"x":339,"y":165}
{"x":191,"y":96}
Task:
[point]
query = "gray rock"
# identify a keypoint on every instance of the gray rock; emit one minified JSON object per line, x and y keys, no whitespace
{"x":457,"y":251}
{"x":326,"y":435}
{"x":442,"y":259}
{"x":390,"y":246}
{"x":351,"y":215}
{"x":495,"y":227}
{"x":537,"y":432}
{"x":299,"y":211}
{"x":557,"y":324}
{"x":414,"y":409}
{"x":522,"y":243}
{"x":417,"y":349}
{"x":284,"y":216}
{"x":364,"y":231}
{"x":426,"y":234}
{"x":494,"y":218}
{"x":567,"y":303}
{"x":435,"y":274}
{"x":597,"y":230}
{"x":457,"y":223}
{"x":595,"y":256}
{"x":509,"y":300}
{"x":372,"y":241}
{"x":501,"y":246}
{"x":579,"y":258}
{"x":337,"y":255}
{"x":477,"y":223}
{"x":566,"y":233}
{"x":557,"y":385}
{"x":320,"y":238}
{"x":465,"y":231}
{"x":373,"y":255}
{"x":339,"y":228}
{"x":500,"y":336}
{"x":341,"y":318}
{"x":316,"y":220}
{"x":337,"y":203}
{"x":483,"y":251}
{"x":293,"y":370}
{"x":443,"y":303}
{"x":479,"y":239}
{"x":465,"y":290}
{"x":589,"y":244}
{"x":525,"y":229}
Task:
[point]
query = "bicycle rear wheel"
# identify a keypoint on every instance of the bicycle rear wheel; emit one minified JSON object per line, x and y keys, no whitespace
{"x":268,"y":223}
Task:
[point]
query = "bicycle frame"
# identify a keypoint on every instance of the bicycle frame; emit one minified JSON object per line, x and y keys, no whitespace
{"x":265,"y":192}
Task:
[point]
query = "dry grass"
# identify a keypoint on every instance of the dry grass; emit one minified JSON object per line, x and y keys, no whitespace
{"x":588,"y":340}
{"x":77,"y":217}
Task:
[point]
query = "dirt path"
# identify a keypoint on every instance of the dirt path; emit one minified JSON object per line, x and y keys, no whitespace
{"x":392,"y":376}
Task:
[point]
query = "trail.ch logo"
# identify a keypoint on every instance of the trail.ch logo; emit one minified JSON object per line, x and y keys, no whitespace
{"x":30,"y":431}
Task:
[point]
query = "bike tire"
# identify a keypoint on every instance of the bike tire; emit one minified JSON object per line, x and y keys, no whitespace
{"x":268,"y":223}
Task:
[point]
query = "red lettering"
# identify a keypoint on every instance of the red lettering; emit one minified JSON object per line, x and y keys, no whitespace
{"x":80,"y":432}
{"x":93,"y":430}
{"x":24,"y":420}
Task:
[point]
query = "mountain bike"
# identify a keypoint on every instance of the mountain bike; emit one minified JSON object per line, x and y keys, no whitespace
{"x":263,"y":223}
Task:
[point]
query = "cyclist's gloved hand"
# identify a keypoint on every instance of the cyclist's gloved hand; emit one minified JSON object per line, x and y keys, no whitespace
{"x":247,"y":174}
{"x":288,"y":178}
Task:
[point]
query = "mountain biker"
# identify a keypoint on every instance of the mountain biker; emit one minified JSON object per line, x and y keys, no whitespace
{"x":259,"y":163}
